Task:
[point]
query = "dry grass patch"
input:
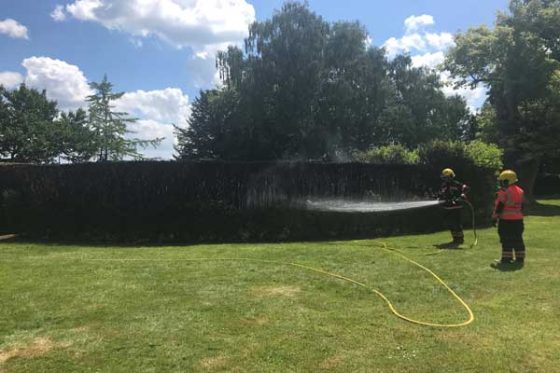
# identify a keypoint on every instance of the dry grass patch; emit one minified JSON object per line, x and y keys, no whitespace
{"x":469,"y":338}
{"x":272,"y":291}
{"x":332,"y":362}
{"x":215,"y":362}
{"x":38,"y":347}
{"x":259,"y":321}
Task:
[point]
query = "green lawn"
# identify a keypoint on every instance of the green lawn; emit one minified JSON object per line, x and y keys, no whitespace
{"x":61,"y":311}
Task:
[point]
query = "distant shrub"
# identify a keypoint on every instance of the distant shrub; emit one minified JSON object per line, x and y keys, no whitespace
{"x":437,"y":154}
{"x":485,"y":155}
{"x":453,"y":154}
{"x":389,"y":154}
{"x":442,"y":154}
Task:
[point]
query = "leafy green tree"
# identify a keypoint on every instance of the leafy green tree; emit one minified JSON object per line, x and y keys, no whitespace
{"x":519,"y":61}
{"x":110,"y":127}
{"x":388,"y":154}
{"x":304,"y":88}
{"x":79,"y":142}
{"x":353,"y":91}
{"x":441,"y":154}
{"x":485,"y":125}
{"x":420,"y":105}
{"x":211,"y":133}
{"x":28,"y":132}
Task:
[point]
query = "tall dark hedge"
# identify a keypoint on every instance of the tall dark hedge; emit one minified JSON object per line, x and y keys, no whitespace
{"x":219,"y":201}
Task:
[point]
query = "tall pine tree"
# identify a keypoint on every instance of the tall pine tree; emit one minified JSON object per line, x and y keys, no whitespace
{"x":111,"y":126}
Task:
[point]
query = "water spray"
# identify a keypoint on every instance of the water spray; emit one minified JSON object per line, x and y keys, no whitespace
{"x":342,"y":205}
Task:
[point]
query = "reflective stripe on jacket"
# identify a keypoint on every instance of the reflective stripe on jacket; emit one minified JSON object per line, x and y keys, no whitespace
{"x":512,"y":200}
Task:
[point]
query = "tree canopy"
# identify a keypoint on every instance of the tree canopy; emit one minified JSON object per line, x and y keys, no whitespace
{"x":28,"y":131}
{"x":33,"y":130}
{"x":519,"y":61}
{"x":304,"y":88}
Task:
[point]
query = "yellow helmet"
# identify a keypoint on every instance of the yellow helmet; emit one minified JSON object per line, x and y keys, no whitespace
{"x":448,"y":173}
{"x":509,"y":176}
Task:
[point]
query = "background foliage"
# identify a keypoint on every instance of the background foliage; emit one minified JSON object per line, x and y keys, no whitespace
{"x":304,"y":88}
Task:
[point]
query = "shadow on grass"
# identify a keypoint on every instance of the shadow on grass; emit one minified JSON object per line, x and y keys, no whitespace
{"x":543,"y":209}
{"x":448,"y":246}
{"x":510,"y":267}
{"x":327,"y":241}
{"x":146,"y":243}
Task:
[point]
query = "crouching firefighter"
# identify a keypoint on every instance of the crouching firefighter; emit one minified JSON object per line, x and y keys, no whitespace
{"x":508,"y":214}
{"x":453,"y":193}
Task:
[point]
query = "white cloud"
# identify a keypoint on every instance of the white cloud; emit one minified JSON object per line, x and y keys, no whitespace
{"x":414,"y":23}
{"x":427,"y":49}
{"x":168,"y":105}
{"x":84,"y":9}
{"x":182,"y":23}
{"x":440,"y":41}
{"x":204,"y":26}
{"x":147,"y":129}
{"x":406,"y":44}
{"x":158,"y":110}
{"x":474,"y":97}
{"x":10,"y":79}
{"x":417,"y":39}
{"x":202,"y":70}
{"x":431,"y":60}
{"x":64,"y":82}
{"x":58,"y":14}
{"x":13,"y":29}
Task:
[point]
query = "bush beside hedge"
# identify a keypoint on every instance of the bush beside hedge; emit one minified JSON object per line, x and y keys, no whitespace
{"x":436,"y":154}
{"x":219,"y":201}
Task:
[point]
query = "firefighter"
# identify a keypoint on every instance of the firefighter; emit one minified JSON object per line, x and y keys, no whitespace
{"x":508,"y":215}
{"x":453,"y":193}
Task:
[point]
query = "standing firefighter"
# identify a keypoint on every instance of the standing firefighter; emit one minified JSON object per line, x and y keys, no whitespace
{"x":508,"y":214}
{"x":452,"y":192}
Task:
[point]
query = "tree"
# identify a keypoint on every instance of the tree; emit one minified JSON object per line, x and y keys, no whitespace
{"x":211,"y":134}
{"x":28,"y":132}
{"x":485,"y":125}
{"x":110,"y":127}
{"x":304,"y":88}
{"x":354,"y":91}
{"x":519,"y":61}
{"x":79,"y":142}
{"x":420,"y":106}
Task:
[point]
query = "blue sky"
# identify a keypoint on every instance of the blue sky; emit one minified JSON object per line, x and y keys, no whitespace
{"x":161,"y":52}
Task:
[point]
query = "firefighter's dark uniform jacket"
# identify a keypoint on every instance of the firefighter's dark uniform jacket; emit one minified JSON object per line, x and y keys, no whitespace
{"x":451,"y":192}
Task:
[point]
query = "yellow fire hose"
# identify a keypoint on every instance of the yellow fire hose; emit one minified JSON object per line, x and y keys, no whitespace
{"x":335,"y":275}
